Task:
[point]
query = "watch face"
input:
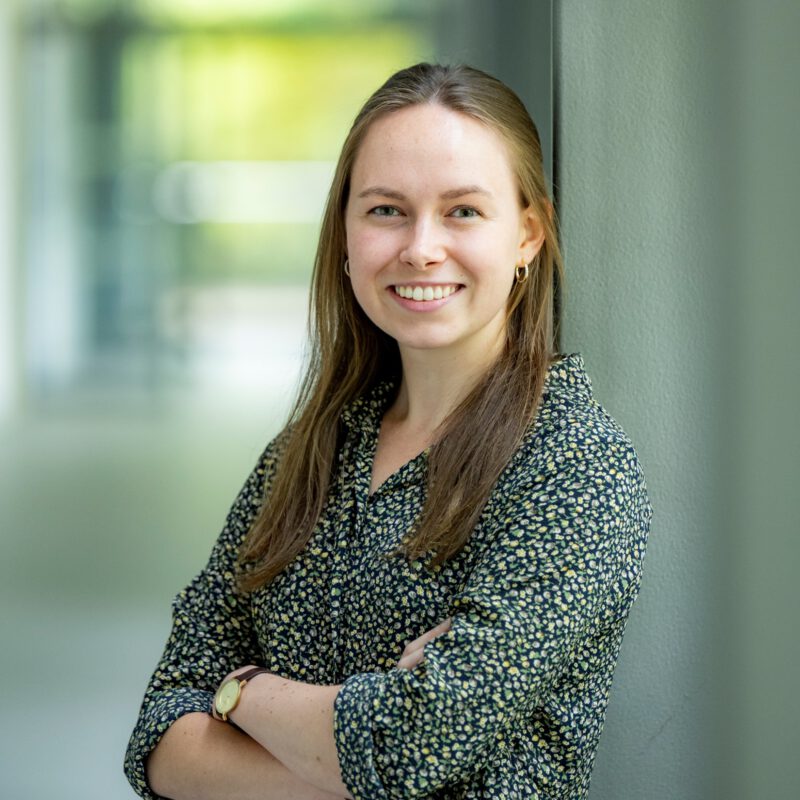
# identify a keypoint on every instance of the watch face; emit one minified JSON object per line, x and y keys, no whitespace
{"x":227,"y":696}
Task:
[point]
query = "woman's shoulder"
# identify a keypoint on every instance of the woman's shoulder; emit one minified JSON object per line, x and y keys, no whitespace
{"x":261,"y":475}
{"x":275,"y":448}
{"x":572,"y":430}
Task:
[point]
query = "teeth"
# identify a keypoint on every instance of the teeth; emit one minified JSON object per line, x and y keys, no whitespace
{"x":419,"y":293}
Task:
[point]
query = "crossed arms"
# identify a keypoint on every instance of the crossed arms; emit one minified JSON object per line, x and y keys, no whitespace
{"x":284,"y":749}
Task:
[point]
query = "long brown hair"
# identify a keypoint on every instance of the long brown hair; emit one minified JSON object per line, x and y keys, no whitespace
{"x":349,"y":354}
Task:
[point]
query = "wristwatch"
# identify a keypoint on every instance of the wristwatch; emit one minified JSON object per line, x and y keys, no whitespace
{"x":229,"y":693}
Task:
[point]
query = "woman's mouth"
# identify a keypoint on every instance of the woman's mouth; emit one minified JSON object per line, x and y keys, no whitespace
{"x":426,"y":293}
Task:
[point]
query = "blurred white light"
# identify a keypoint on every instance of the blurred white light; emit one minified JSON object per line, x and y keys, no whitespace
{"x":190,"y":192}
{"x":239,"y":340}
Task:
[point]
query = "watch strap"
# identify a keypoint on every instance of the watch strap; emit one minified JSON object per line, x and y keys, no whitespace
{"x":248,"y":674}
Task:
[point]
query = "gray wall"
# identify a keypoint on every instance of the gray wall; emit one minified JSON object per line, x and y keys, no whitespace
{"x":510,"y":39}
{"x":676,"y":129}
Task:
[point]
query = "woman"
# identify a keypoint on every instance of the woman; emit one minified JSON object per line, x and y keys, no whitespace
{"x":446,"y":480}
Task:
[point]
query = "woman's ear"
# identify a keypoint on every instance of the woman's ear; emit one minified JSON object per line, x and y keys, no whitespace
{"x":532,"y":232}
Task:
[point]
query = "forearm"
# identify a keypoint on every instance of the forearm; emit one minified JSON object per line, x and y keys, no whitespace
{"x":199,"y":758}
{"x":294,"y":720}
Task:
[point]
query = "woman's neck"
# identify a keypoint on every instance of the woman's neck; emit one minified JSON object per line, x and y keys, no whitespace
{"x":433,"y":384}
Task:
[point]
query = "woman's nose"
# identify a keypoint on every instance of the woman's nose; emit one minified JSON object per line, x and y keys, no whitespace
{"x":425,"y":246}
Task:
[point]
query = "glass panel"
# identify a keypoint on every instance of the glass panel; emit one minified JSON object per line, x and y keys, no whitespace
{"x":197,"y":152}
{"x":161,"y":291}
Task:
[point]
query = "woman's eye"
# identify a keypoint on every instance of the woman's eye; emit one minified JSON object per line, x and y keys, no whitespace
{"x":465,"y":212}
{"x":384,"y":211}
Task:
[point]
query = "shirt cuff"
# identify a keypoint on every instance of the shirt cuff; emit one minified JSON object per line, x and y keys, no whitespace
{"x":353,"y":709}
{"x":162,"y":709}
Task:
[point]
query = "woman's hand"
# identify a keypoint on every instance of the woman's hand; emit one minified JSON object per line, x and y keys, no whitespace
{"x":413,"y":654}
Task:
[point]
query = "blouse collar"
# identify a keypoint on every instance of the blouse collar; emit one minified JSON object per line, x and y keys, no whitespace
{"x":567,"y":377}
{"x":366,"y":411}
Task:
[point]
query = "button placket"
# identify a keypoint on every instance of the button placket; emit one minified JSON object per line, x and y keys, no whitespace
{"x":352,"y":492}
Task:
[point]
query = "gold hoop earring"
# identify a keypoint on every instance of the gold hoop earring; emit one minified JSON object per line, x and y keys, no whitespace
{"x":347,"y":267}
{"x":521,"y":273}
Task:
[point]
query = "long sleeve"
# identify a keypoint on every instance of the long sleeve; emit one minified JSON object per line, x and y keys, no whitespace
{"x":211,"y":635}
{"x":565,"y":554}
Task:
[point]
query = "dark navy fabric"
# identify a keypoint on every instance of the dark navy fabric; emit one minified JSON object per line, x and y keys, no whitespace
{"x":510,"y":702}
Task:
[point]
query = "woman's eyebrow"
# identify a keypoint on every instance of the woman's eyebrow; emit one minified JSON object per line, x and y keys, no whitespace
{"x":382,"y":191}
{"x":450,"y":194}
{"x":454,"y":194}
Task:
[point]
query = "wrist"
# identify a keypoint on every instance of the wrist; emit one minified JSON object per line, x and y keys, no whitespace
{"x":229,"y":693}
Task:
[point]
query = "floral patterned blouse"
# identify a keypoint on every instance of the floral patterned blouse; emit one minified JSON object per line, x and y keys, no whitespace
{"x":507,"y":704}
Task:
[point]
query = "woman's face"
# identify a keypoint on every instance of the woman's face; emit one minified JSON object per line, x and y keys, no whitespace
{"x":435,"y":229}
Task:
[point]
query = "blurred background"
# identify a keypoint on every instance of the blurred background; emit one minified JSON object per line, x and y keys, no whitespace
{"x":163,"y":165}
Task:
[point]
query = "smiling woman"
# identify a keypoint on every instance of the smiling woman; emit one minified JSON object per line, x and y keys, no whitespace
{"x":422,"y":588}
{"x":435,"y":210}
